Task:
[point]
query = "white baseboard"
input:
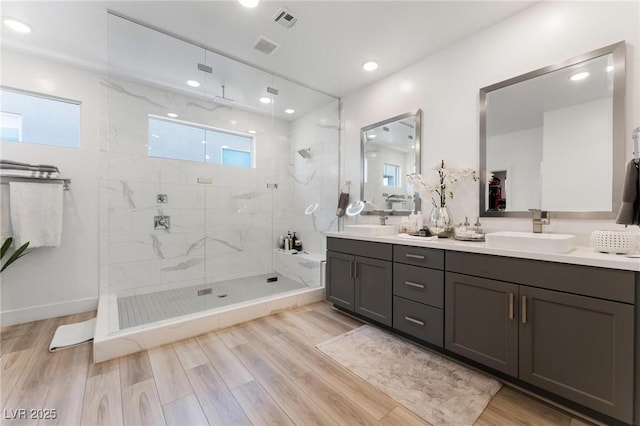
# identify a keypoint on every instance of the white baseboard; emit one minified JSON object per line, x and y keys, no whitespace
{"x":35,"y":313}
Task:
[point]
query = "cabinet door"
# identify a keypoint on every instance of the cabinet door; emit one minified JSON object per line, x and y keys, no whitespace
{"x":481,"y":321}
{"x":580,"y":348}
{"x":340,"y":290}
{"x":374,"y":285}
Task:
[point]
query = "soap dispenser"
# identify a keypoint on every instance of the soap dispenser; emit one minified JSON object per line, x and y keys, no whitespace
{"x":478,"y":227}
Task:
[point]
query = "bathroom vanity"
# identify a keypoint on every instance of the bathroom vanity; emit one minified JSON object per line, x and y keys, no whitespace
{"x":565,"y":326}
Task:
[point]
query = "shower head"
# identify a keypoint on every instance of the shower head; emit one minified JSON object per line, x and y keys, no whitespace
{"x":305,"y":152}
{"x":223,"y":100}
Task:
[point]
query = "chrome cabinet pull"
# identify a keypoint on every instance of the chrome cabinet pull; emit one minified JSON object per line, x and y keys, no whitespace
{"x":412,"y":284}
{"x":415,"y":256}
{"x":355,"y":269}
{"x":511,"y":306}
{"x":351,"y":273}
{"x":524,"y":309}
{"x":413,"y":320}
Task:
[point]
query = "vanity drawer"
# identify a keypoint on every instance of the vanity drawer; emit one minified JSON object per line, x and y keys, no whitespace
{"x":419,"y":284}
{"x":419,"y":256}
{"x":421,"y":321}
{"x":381,"y":251}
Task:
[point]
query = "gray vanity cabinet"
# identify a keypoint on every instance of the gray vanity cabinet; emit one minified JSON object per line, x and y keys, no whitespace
{"x":373,"y":284}
{"x":340,"y":285}
{"x":359,"y":277}
{"x":481,"y":321}
{"x":575,"y":345}
{"x":578,"y":347}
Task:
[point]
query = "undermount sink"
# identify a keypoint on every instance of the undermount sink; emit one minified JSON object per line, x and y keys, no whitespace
{"x":367,"y":229}
{"x":528,"y":241}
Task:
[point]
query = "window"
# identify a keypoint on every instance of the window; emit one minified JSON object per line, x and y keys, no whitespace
{"x":236,"y":157}
{"x":11,"y":126}
{"x":39,"y":119}
{"x":192,"y":142}
{"x":391,"y":175}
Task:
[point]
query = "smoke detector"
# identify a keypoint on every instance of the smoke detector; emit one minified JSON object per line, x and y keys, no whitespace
{"x":285,"y":18}
{"x":264,"y":45}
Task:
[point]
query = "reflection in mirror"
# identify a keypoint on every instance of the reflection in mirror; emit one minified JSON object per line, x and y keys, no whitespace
{"x":390,"y":150}
{"x":553,"y":139}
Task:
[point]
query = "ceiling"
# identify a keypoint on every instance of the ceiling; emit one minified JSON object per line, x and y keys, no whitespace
{"x":324,"y":50}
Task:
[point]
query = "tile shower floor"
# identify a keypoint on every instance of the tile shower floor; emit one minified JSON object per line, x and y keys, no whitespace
{"x":150,"y":307}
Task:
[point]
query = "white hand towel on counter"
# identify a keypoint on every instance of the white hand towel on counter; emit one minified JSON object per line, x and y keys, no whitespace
{"x":36,"y":213}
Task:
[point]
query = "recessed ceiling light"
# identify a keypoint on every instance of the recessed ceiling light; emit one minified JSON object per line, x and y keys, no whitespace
{"x":579,"y":76}
{"x":233,"y":122}
{"x":609,"y":68}
{"x":253,"y":132}
{"x":265,"y":100}
{"x":370,"y":66}
{"x":172,"y":115}
{"x":249,"y":3}
{"x":204,"y":142}
{"x":371,"y":136}
{"x":17,"y":26}
{"x":289,"y":110}
{"x":153,"y":135}
{"x":193,"y":83}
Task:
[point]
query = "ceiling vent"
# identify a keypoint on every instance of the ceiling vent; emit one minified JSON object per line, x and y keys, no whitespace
{"x":285,"y":18}
{"x":264,"y":45}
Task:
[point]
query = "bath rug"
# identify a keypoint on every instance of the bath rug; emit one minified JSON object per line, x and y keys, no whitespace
{"x":67,"y":336}
{"x":439,"y":390}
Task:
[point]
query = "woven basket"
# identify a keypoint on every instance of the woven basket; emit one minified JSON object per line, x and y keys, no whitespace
{"x":620,"y":242}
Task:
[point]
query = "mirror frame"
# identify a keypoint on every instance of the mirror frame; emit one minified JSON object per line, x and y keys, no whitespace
{"x":618,"y":131}
{"x":418,"y":149}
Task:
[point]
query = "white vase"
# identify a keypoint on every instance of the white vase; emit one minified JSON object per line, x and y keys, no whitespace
{"x":440,"y":222}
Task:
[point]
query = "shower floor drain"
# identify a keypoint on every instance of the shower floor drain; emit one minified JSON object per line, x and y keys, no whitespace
{"x":220,"y":296}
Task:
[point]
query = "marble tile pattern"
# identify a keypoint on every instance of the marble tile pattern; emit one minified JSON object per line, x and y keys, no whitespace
{"x":440,"y":391}
{"x":219,"y":231}
{"x":301,"y":267}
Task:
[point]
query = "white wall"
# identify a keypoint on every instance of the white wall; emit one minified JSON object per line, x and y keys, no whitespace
{"x":49,"y":282}
{"x":446,"y":84}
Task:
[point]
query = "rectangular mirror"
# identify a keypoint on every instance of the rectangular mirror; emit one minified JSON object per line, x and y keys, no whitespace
{"x":390,"y":150}
{"x":553,"y":139}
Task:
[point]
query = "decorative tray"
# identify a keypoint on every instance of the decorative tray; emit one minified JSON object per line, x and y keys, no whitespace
{"x":476,"y":239}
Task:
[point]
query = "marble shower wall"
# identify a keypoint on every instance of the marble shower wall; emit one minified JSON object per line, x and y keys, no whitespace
{"x":218,"y":231}
{"x":313,"y":180}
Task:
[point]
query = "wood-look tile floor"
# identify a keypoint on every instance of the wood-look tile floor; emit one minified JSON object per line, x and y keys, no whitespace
{"x":264,"y":372}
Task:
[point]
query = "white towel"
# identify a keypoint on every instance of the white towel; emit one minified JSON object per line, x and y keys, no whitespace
{"x":36,"y":213}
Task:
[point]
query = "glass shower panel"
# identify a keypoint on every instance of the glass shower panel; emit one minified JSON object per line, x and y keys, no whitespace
{"x":309,"y":197}
{"x":239,"y":206}
{"x":153,"y":249}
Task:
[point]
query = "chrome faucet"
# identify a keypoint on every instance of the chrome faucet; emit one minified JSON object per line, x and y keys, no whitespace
{"x":539,"y":218}
{"x":383,"y":218}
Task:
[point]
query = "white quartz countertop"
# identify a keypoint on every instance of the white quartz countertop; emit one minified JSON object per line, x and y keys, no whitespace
{"x":578,"y":256}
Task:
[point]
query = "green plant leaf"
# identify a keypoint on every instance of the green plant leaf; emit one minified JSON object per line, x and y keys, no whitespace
{"x":5,"y":246}
{"x":15,"y":256}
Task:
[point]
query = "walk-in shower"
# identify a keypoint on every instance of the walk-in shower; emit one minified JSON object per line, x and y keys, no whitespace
{"x":196,"y":192}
